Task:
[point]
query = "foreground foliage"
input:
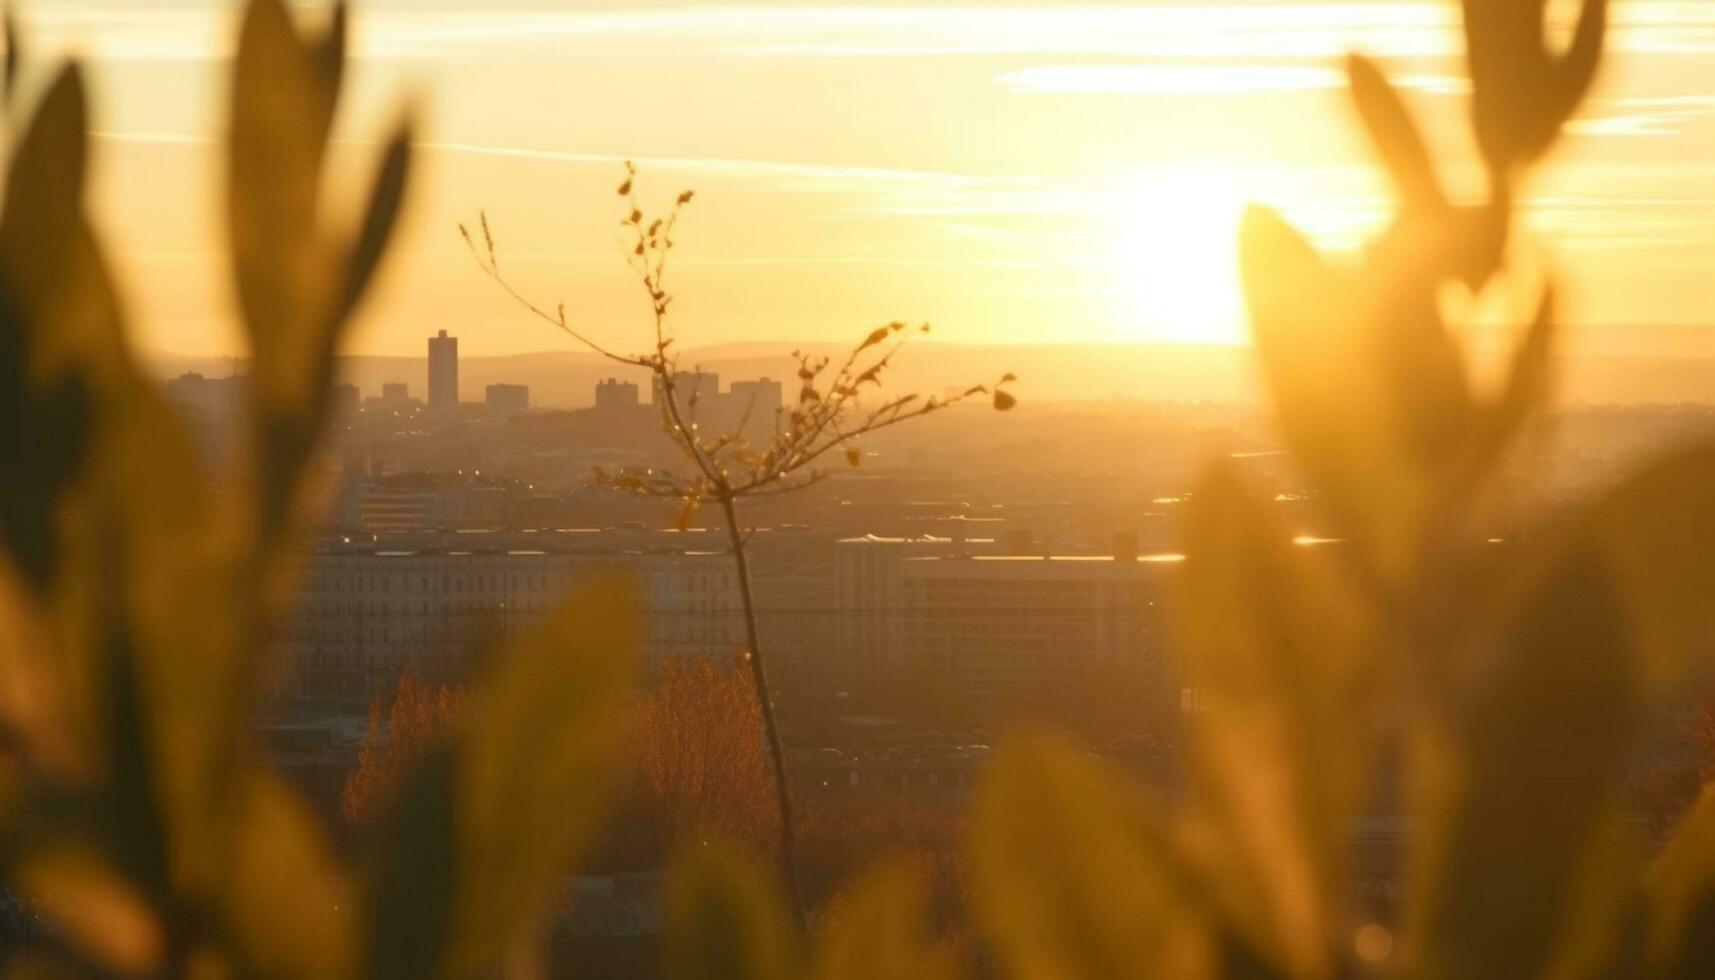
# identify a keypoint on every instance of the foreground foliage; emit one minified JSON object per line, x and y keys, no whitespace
{"x":1498,"y":686}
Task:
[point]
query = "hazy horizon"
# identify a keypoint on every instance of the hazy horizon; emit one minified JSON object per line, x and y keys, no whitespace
{"x":1014,"y":173}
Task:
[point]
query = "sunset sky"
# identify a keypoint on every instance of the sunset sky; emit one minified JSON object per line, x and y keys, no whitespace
{"x":1015,"y":173}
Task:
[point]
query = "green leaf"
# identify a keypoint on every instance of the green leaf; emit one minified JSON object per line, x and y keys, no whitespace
{"x":1681,"y":889}
{"x":1528,"y":386}
{"x":38,"y":238}
{"x":281,"y":110}
{"x":385,"y":202}
{"x":1336,"y":408}
{"x":330,"y":51}
{"x":1076,"y":875}
{"x":1371,"y":388}
{"x":172,"y":557}
{"x":1275,"y":655}
{"x":534,"y":764}
{"x":44,"y":197}
{"x":1656,"y":530}
{"x":879,"y":928}
{"x":100,"y":913}
{"x":725,"y":920}
{"x":1516,"y":814}
{"x":414,"y":874}
{"x":14,"y":55}
{"x":1521,"y":91}
{"x":290,"y":909}
{"x":1395,"y":136}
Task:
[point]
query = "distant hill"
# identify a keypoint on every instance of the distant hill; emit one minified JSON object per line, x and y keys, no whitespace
{"x":1616,"y":367}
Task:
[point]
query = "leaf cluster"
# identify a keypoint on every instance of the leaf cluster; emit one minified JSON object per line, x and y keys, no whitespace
{"x":140,"y":818}
{"x":1503,"y":685}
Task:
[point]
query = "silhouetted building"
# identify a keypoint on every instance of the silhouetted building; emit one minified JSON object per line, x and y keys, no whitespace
{"x":869,"y":599}
{"x":692,"y":388}
{"x":396,"y":394}
{"x":345,"y":400}
{"x":1007,"y":630}
{"x":506,"y":400}
{"x":443,"y":373}
{"x":371,"y":610}
{"x":757,"y":404}
{"x":214,"y":397}
{"x":616,"y":395}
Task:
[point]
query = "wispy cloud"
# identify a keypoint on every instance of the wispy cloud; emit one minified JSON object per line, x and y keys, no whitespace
{"x":1200,"y":79}
{"x":780,"y":175}
{"x":1174,"y":30}
{"x":1657,"y":116}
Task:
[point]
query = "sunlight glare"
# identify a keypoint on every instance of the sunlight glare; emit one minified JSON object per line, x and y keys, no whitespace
{"x":1177,"y":268}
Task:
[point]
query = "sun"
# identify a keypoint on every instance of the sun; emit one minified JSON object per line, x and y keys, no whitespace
{"x":1176,"y":270}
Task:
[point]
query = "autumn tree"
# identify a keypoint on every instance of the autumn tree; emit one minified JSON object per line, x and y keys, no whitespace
{"x":839,"y":403}
{"x":699,"y":760}
{"x":394,"y":740}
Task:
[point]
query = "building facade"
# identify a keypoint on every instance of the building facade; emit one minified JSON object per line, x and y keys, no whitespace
{"x":1011,"y":631}
{"x":443,"y":373}
{"x":372,"y":609}
{"x":612,"y":394}
{"x":506,"y":400}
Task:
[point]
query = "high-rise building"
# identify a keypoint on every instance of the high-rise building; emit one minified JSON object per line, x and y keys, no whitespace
{"x":505,"y":401}
{"x":615,"y":395}
{"x":443,"y":373}
{"x":757,"y":404}
{"x":345,"y":401}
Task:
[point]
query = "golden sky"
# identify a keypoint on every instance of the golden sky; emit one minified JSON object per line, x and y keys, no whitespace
{"x":1014,"y":173}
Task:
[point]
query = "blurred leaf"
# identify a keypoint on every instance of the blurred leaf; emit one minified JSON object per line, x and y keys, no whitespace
{"x":173,"y":553}
{"x":281,"y":110}
{"x":1516,"y":798}
{"x":1526,"y":392}
{"x":413,"y":875}
{"x":1681,"y":940}
{"x":329,"y":51}
{"x":102,"y":915}
{"x":14,"y":55}
{"x":33,"y":708}
{"x":44,"y":199}
{"x":40,"y":964}
{"x":290,"y":909}
{"x":40,"y":235}
{"x":1395,"y":136}
{"x":1657,"y":532}
{"x":1522,"y":92}
{"x":1336,"y":406}
{"x":1285,"y":699}
{"x":1004,"y":401}
{"x":534,"y":764}
{"x":879,"y":928}
{"x":726,"y":920}
{"x":1076,"y":874}
{"x":1371,"y":388}
{"x":382,"y":214}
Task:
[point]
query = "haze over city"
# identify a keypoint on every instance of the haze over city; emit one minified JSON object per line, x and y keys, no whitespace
{"x":935,"y":491}
{"x":1014,"y":173}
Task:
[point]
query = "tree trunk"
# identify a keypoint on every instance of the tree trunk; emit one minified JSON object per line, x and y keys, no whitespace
{"x":759,"y":678}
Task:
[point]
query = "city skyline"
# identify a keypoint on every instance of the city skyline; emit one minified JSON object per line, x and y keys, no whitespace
{"x":1016,"y":174}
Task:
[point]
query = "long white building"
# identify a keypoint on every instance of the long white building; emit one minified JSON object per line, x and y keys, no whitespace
{"x":369,"y":610}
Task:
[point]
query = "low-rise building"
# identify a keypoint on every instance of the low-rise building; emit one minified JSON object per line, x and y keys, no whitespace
{"x":506,"y":400}
{"x":373,"y":607}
